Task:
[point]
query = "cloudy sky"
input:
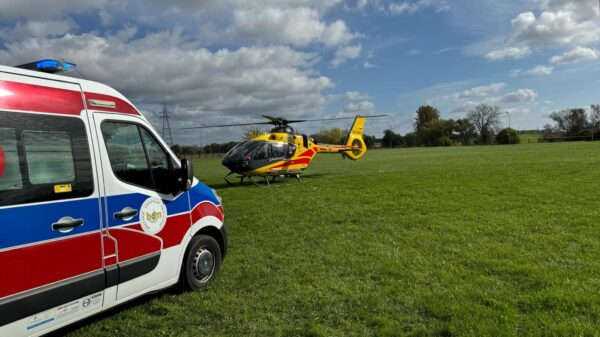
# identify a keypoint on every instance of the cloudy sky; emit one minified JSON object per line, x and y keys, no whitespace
{"x":229,"y":61}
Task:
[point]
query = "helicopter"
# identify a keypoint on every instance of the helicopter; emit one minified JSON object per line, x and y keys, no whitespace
{"x":282,"y":152}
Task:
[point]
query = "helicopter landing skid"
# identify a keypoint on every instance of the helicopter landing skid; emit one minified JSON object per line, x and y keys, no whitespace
{"x":251,"y":178}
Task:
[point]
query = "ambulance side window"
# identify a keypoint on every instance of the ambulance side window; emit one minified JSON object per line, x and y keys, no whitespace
{"x":126,"y":153}
{"x":49,"y":157}
{"x":43,"y":158}
{"x":136,"y":157}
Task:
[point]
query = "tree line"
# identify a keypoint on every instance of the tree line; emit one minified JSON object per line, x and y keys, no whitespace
{"x":573,"y":124}
{"x":481,"y":126}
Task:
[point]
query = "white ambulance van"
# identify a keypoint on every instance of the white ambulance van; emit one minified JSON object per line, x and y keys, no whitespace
{"x":95,"y":209}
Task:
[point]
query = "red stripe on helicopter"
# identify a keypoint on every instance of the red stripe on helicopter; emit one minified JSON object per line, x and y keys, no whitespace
{"x":293,"y":162}
{"x":309,"y":153}
{"x":29,"y":97}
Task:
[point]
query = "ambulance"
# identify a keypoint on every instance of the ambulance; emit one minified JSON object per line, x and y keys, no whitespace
{"x":95,"y":209}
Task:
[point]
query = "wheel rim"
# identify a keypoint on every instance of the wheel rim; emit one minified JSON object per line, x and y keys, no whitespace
{"x":204,"y":265}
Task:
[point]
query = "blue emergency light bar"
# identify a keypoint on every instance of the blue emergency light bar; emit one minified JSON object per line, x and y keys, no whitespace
{"x":50,"y":66}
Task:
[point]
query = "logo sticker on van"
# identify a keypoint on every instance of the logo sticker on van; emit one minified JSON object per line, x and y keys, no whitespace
{"x":153,"y":215}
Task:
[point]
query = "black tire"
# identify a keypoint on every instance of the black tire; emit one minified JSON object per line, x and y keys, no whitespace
{"x":202,"y":262}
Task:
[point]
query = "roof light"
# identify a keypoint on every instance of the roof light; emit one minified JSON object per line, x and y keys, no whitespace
{"x":50,"y":66}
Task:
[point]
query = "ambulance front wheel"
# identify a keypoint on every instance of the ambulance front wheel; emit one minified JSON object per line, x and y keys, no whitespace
{"x":202,"y":262}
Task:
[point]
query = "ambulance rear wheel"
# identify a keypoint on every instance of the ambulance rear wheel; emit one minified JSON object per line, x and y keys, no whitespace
{"x":202,"y":262}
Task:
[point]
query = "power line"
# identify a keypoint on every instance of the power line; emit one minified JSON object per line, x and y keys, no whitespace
{"x":166,"y":126}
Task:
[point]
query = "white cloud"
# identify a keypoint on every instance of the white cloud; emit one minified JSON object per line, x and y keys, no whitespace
{"x":363,"y":108}
{"x":520,"y":96}
{"x":578,"y":54}
{"x":165,"y":67}
{"x":346,"y":53}
{"x":356,"y":96}
{"x":565,"y":26}
{"x":481,"y":91}
{"x":508,"y":53}
{"x":405,"y":7}
{"x":515,"y":72}
{"x":540,"y":70}
{"x":361,"y":3}
{"x":295,"y":26}
{"x":369,"y":65}
{"x":37,"y":29}
{"x":42,"y":10}
{"x":414,"y":52}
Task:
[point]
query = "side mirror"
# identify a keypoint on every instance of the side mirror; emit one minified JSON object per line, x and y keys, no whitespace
{"x":187,"y":174}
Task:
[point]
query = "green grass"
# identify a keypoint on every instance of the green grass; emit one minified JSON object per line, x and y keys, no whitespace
{"x":460,"y":241}
{"x":529,"y":138}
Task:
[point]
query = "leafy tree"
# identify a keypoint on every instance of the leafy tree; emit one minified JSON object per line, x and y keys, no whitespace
{"x":466,"y":133}
{"x":571,"y":122}
{"x":426,"y":115}
{"x":391,"y":139}
{"x":411,"y":139}
{"x":330,"y":136}
{"x":176,"y":149}
{"x":251,"y":133}
{"x":440,"y":133}
{"x":369,"y":141}
{"x":508,"y":136}
{"x":486,"y":119}
{"x":426,"y":120}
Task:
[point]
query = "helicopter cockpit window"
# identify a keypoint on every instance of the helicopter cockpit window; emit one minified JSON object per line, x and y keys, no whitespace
{"x":244,"y":151}
{"x":278,"y":150}
{"x":262,"y":152}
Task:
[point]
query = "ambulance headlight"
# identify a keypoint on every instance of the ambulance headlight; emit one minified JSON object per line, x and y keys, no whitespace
{"x":218,"y":196}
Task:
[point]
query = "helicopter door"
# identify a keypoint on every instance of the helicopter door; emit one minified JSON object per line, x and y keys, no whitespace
{"x":291,"y":151}
{"x":278,"y":151}
{"x":305,"y":141}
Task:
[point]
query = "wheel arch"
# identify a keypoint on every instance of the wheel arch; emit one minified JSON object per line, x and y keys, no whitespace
{"x":218,"y":234}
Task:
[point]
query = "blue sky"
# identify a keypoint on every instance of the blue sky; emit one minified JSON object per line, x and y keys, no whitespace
{"x":228,"y":61}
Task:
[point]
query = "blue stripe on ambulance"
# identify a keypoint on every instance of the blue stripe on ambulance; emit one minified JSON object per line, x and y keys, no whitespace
{"x":23,"y":223}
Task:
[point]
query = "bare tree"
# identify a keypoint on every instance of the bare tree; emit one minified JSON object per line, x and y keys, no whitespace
{"x":570,"y":121}
{"x":486,"y":119}
{"x":595,"y":116}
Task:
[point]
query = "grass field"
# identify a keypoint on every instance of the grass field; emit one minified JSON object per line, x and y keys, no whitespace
{"x":460,"y":241}
{"x":529,"y":138}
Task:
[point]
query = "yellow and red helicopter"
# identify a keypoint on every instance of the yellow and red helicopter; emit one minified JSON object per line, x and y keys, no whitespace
{"x":282,"y":152}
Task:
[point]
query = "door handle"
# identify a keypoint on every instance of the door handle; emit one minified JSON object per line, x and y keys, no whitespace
{"x":126,"y":213}
{"x":66,"y":224}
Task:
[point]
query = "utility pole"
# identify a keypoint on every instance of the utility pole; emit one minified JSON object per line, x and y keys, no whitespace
{"x":166,"y":126}
{"x":509,"y":138}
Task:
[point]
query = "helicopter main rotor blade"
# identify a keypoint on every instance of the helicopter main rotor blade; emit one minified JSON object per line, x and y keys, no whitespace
{"x":225,"y":125}
{"x":277,"y":121}
{"x":330,"y":119}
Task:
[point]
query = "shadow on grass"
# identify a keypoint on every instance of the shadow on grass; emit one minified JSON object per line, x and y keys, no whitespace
{"x":262,"y":183}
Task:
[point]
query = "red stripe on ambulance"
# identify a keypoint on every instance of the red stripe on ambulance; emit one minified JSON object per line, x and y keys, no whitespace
{"x":42,"y":264}
{"x":37,"y":98}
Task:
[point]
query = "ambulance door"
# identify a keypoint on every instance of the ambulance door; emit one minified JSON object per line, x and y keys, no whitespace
{"x":145,"y":215}
{"x":50,"y":243}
